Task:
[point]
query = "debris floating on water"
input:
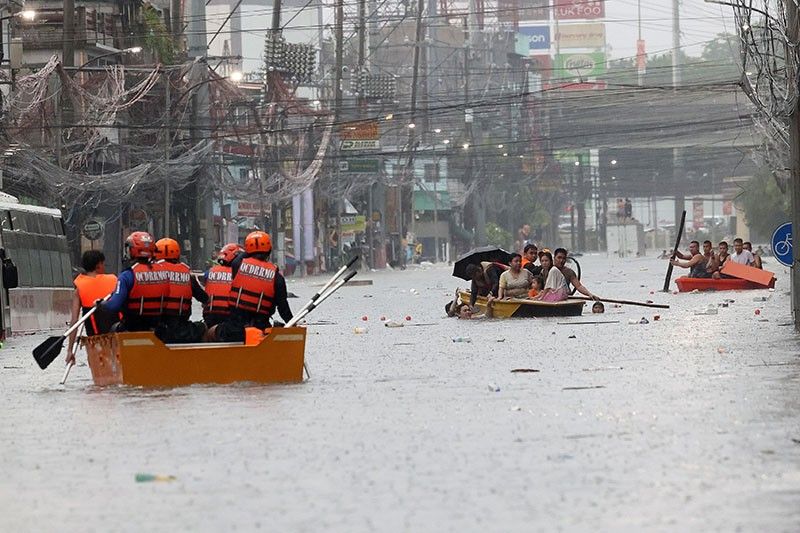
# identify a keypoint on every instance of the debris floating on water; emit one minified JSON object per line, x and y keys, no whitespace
{"x":462,"y":339}
{"x":493,"y":388}
{"x":393,"y":324}
{"x":585,"y":388}
{"x":359,"y":330}
{"x":146,"y":478}
{"x":524,"y":370}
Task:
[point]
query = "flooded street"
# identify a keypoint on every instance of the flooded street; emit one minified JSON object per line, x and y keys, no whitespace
{"x":686,"y":423}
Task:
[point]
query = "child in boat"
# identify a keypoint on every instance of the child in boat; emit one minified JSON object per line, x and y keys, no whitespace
{"x":536,"y":287}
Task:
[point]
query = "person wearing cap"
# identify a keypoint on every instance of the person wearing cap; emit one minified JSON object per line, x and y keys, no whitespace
{"x":257,"y":291}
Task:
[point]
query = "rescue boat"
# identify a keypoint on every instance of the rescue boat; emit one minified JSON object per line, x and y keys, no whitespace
{"x":141,"y":359}
{"x":687,"y":284}
{"x":524,"y":308}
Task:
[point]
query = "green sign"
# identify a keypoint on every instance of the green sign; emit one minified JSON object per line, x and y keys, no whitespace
{"x":360,"y":166}
{"x":580,"y":66}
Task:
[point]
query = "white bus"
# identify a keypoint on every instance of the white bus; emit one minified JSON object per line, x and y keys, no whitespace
{"x":33,"y":239}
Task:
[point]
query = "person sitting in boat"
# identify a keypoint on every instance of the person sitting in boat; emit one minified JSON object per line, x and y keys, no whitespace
{"x":722,"y":257}
{"x":529,"y":257}
{"x":712,"y":261}
{"x":559,"y":262}
{"x":217,"y":280}
{"x":257,"y":290}
{"x":91,"y":285}
{"x":536,"y":286}
{"x":175,"y":326}
{"x":555,"y":284}
{"x":516,"y":281}
{"x":740,"y":255}
{"x":485,"y":279}
{"x":756,"y":258}
{"x":694,"y":261}
{"x":141,"y":288}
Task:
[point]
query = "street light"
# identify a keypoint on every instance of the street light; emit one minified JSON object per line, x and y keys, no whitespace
{"x":237,"y":76}
{"x":131,"y":50}
{"x":28,"y":15}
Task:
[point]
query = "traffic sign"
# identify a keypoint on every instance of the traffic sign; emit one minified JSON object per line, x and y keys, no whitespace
{"x":782,"y":244}
{"x":92,"y":229}
{"x":360,"y":166}
{"x":370,"y":144}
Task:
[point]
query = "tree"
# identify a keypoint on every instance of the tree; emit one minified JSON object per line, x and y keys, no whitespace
{"x":765,"y":206}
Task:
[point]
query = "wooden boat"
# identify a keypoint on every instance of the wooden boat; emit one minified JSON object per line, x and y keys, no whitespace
{"x":687,"y":284}
{"x":141,"y":359}
{"x":524,"y":308}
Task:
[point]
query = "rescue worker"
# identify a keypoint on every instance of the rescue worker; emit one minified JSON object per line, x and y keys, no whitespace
{"x":141,"y":288}
{"x":175,"y":326}
{"x":257,"y":290}
{"x":92,"y":285}
{"x":217,"y":280}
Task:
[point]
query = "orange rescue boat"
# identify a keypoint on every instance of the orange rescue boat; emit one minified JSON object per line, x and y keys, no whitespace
{"x":141,"y":359}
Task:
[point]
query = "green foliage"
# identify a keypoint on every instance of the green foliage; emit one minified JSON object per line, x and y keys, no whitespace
{"x":765,"y":206}
{"x":156,"y":37}
{"x":499,"y":236}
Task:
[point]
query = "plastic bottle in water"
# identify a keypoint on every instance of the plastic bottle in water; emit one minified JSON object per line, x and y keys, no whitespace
{"x":462,"y":339}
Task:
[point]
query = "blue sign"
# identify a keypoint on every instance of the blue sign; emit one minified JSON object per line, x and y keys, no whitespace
{"x":538,"y":37}
{"x":782,"y":244}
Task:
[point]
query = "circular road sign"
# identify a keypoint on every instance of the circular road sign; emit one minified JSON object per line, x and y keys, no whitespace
{"x":782,"y":244}
{"x":92,"y":229}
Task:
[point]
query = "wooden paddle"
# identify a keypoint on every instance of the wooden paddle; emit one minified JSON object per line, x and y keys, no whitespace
{"x":625,"y":302}
{"x":668,"y":279}
{"x":48,"y":350}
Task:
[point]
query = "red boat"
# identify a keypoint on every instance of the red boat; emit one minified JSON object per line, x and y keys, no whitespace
{"x":686,"y":284}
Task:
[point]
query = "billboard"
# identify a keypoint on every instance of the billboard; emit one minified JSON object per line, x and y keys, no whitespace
{"x":513,"y":11}
{"x":588,"y":65}
{"x":592,"y":35}
{"x":538,"y":36}
{"x":579,"y":9}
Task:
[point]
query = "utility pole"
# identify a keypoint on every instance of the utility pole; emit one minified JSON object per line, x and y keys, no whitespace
{"x":68,"y":44}
{"x":678,"y":171}
{"x":337,"y":108}
{"x":430,"y":61}
{"x":363,"y":111}
{"x":793,"y":31}
{"x":581,"y":195}
{"x":167,"y":154}
{"x":277,"y":229}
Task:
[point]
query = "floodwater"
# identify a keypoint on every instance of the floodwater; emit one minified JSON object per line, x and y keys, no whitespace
{"x":688,"y":423}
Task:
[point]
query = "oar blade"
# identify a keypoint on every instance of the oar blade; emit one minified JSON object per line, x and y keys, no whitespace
{"x":47,"y":351}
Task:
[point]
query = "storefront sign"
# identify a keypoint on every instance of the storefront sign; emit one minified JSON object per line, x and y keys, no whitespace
{"x":581,"y":35}
{"x":579,"y":9}
{"x":538,"y":37}
{"x":582,"y":66}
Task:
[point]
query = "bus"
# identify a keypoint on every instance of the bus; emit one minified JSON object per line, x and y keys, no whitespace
{"x":36,"y":286}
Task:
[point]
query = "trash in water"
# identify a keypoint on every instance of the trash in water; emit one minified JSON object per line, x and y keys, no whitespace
{"x":758,"y":311}
{"x":500,"y":340}
{"x":359,"y":330}
{"x":493,"y":387}
{"x":761,"y":298}
{"x":572,"y":337}
{"x":696,"y":291}
{"x":524,"y":370}
{"x":145,"y":478}
{"x":408,"y":318}
{"x":365,"y":318}
{"x":516,"y":408}
{"x":393,"y":324}
{"x":724,"y":304}
{"x":656,"y":318}
{"x":462,"y":339}
{"x":721,"y":350}
{"x":644,"y":321}
{"x":707,"y":311}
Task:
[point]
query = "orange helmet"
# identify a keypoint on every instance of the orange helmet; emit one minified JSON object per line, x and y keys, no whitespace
{"x":228,"y":252}
{"x":167,"y":248}
{"x":139,"y":244}
{"x":258,"y":241}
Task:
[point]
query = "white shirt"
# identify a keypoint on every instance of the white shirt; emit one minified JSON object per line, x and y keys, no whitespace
{"x":744,"y":258}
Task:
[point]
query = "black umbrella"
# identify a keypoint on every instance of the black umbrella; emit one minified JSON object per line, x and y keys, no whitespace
{"x":476,"y":256}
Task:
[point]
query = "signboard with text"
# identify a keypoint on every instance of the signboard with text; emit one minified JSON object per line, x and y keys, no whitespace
{"x":514,"y":11}
{"x":591,"y":35}
{"x":538,"y":37}
{"x":372,"y":144}
{"x":579,"y":9}
{"x":360,"y":130}
{"x":360,"y":166}
{"x":588,"y":65}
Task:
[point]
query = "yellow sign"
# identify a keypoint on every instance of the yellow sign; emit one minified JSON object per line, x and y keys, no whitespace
{"x":354,"y":224}
{"x":581,"y":35}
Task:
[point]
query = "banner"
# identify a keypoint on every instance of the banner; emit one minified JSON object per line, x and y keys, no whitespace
{"x":581,"y":35}
{"x":538,"y":37}
{"x":697,"y":213}
{"x":579,"y":9}
{"x":588,"y":65}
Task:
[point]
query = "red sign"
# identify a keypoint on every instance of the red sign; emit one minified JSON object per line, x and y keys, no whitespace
{"x":727,"y":208}
{"x":579,"y":9}
{"x":641,"y":56}
{"x":697,"y":213}
{"x":543,"y":65}
{"x":577,"y":86}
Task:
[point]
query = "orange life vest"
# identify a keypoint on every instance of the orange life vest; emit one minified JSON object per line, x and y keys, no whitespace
{"x":179,"y":299}
{"x":90,"y":289}
{"x":150,"y":289}
{"x":253,"y":288}
{"x":218,"y":288}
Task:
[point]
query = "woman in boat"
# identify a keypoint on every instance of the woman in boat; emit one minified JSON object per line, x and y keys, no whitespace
{"x":555,"y":285}
{"x":516,"y":281}
{"x":485,"y":280}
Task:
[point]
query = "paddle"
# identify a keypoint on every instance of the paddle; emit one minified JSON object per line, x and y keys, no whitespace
{"x":48,"y":350}
{"x":625,"y":302}
{"x":66,"y":372}
{"x":314,"y":303}
{"x":668,"y":279}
